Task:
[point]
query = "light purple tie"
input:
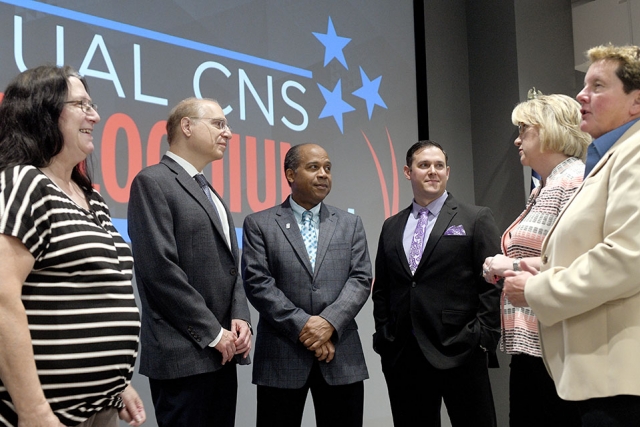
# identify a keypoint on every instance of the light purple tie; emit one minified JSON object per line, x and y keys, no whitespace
{"x":417,"y":243}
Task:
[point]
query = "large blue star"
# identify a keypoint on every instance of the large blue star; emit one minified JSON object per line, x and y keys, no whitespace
{"x":334,"y":106}
{"x":369,"y":92}
{"x":333,"y":45}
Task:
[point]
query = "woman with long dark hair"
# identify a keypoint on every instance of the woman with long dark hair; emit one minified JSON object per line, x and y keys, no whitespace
{"x":69,"y":324}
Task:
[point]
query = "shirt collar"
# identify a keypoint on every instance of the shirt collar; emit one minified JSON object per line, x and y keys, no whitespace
{"x":606,"y":141}
{"x":299,"y":210}
{"x":598,"y":148}
{"x":434,"y":207}
{"x":188,"y":167}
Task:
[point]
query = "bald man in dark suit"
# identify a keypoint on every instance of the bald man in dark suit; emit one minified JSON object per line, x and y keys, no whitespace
{"x":195,"y":316}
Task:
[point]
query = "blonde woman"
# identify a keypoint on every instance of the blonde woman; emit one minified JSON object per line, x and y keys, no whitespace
{"x":551,"y":143}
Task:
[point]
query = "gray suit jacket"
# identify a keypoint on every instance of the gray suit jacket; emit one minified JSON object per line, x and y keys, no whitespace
{"x":186,"y":274}
{"x":286,"y":292}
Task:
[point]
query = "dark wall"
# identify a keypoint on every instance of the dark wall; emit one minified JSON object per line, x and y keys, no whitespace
{"x":545,"y":47}
{"x":447,"y":62}
{"x":493,"y":87}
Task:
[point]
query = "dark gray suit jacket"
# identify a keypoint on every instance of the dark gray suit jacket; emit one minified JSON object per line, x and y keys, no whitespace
{"x":283,"y":288}
{"x":446,"y":304}
{"x":186,"y":274}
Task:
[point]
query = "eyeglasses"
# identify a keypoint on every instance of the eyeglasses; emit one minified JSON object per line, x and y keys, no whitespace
{"x":522,"y":128}
{"x":86,"y":106}
{"x":216,"y":123}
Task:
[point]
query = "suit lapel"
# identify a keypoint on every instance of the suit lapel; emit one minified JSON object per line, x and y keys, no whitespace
{"x":289,"y":226}
{"x":402,"y":219}
{"x":193,"y":189}
{"x":327,"y":228}
{"x":448,"y":211}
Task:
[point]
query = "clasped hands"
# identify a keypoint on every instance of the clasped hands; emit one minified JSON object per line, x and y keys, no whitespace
{"x":494,"y":268}
{"x":235,"y":341}
{"x":316,"y":336}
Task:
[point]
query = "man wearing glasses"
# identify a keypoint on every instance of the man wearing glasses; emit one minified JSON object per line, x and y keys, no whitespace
{"x":195,"y":321}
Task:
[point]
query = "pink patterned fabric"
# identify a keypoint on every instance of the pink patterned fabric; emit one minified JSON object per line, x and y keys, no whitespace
{"x":524,"y":239}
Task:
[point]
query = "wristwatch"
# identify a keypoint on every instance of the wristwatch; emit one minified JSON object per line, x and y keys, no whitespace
{"x":516,"y":264}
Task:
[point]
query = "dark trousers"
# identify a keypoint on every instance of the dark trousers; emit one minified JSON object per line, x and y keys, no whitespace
{"x":417,"y":389}
{"x":533,"y":399}
{"x":202,"y":400}
{"x":614,"y":411}
{"x":335,"y":406}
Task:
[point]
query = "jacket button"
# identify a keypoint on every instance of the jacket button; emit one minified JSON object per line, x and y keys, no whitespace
{"x":545,"y":259}
{"x":413,"y":284}
{"x":233,"y":271}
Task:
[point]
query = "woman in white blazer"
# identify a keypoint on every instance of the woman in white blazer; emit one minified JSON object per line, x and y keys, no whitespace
{"x":587,"y":295}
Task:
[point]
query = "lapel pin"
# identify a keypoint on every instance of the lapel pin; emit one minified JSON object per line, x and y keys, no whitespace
{"x":288,"y":225}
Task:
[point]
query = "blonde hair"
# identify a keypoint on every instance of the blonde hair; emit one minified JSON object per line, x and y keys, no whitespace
{"x":628,"y":59}
{"x":557,"y":118}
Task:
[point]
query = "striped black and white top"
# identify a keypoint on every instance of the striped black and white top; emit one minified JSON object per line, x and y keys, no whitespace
{"x":81,"y":310}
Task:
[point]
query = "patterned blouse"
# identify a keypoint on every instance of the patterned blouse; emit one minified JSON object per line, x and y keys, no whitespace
{"x":81,"y":311}
{"x":524,"y":239}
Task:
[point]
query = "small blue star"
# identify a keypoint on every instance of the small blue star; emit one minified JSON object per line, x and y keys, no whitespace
{"x":333,"y":45}
{"x":334,"y":106}
{"x":369,"y":92}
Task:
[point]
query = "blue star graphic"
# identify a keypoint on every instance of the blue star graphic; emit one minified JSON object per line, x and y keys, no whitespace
{"x":334,"y":106}
{"x":333,"y":45}
{"x":369,"y":92}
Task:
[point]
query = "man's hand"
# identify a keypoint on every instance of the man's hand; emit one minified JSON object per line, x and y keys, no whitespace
{"x":133,"y":410}
{"x":243,"y":342}
{"x":326,"y":352}
{"x":315,"y":333}
{"x":227,"y":345}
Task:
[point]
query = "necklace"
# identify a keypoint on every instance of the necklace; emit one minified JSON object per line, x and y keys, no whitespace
{"x":75,"y":193}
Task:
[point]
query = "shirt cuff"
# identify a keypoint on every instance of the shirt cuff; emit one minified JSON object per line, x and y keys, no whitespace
{"x":217,"y":340}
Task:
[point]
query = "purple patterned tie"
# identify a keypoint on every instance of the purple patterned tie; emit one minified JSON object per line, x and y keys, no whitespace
{"x":417,"y":243}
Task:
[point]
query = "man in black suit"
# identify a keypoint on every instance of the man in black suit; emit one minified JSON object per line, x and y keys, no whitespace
{"x":436,"y":318}
{"x":195,"y":316}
